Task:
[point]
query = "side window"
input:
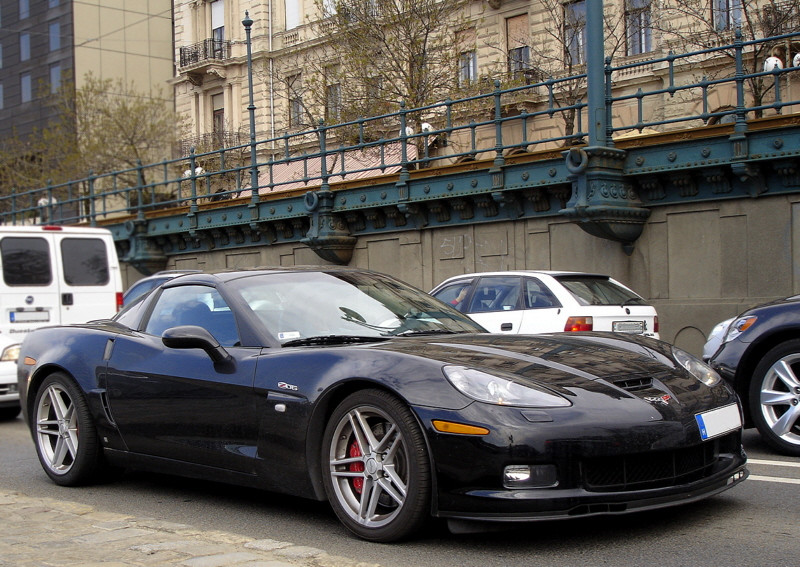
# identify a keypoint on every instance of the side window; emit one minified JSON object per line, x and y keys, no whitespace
{"x":538,"y":296}
{"x":85,"y":261}
{"x":455,"y":294}
{"x":500,"y":293}
{"x":26,"y":261}
{"x":198,"y":305}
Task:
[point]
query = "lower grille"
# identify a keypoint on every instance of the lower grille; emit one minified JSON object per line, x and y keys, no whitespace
{"x":652,"y":470}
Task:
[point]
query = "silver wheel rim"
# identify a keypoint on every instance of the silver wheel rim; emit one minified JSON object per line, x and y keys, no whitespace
{"x":368,"y":464}
{"x":57,"y":429}
{"x":780,"y":399}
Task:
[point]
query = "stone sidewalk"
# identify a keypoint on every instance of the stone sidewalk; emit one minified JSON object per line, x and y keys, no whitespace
{"x":43,"y":532}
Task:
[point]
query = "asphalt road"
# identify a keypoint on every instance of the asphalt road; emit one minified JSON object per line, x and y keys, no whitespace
{"x":754,"y":524}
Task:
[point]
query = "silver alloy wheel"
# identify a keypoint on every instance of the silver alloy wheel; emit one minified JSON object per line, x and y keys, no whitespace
{"x":57,"y":429}
{"x":780,"y":399}
{"x":368,"y":465}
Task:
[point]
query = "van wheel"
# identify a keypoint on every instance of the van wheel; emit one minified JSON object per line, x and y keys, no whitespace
{"x":64,"y":432}
{"x":775,"y":398}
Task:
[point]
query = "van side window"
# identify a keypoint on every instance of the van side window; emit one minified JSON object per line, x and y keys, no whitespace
{"x":26,"y":261}
{"x":85,"y":261}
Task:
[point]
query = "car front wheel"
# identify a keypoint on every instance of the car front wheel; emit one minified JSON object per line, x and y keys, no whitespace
{"x":376,"y":470}
{"x":65,"y":435}
{"x":775,"y":398}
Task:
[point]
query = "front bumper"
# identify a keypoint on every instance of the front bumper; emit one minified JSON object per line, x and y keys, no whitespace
{"x":602,"y":468}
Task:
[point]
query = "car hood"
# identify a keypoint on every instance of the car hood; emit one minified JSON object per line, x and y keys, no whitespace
{"x":600,"y":362}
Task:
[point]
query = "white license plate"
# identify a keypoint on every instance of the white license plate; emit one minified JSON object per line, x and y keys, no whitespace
{"x":719,"y":421}
{"x":29,"y":316}
{"x":628,"y":327}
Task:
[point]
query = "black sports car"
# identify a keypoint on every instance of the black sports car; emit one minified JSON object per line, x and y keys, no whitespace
{"x":349,"y":386}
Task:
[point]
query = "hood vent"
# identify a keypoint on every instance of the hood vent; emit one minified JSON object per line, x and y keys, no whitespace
{"x":634,"y":384}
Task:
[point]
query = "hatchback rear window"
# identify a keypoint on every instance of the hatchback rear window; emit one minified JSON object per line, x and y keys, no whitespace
{"x":26,"y":261}
{"x":597,"y":290}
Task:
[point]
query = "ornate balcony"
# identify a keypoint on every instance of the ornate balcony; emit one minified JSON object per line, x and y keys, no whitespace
{"x":204,"y":57}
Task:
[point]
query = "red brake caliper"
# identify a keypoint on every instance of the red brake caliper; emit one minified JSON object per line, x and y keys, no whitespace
{"x":358,"y":483}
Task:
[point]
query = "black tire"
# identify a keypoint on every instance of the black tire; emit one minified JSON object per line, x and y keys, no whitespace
{"x":64,"y":433}
{"x":374,"y":451}
{"x":7,"y":414}
{"x":774,"y":398}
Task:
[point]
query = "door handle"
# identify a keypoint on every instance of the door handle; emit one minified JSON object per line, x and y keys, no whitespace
{"x":506,"y":326}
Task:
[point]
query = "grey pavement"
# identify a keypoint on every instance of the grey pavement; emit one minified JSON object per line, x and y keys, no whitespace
{"x":44,"y":532}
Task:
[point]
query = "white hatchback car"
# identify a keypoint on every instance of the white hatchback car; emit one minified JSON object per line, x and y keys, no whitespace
{"x":531,"y":302}
{"x":9,"y":394}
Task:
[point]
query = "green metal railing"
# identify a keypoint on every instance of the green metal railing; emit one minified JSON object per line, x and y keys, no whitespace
{"x":490,"y":125}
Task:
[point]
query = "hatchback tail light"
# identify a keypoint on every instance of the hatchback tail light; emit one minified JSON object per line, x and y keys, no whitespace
{"x":655,"y":324}
{"x":578,"y":324}
{"x":119,"y":300}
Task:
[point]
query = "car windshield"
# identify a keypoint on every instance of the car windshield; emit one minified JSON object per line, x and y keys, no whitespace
{"x":297,"y":306}
{"x":598,"y":290}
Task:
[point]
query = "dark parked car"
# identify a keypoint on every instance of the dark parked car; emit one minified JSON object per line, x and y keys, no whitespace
{"x":149,"y":283}
{"x":760,"y":357}
{"x":349,"y":386}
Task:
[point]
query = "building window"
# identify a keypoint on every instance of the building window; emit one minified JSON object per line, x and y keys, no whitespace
{"x":1,"y":96}
{"x":726,"y":14}
{"x":24,"y":46}
{"x":467,"y":67}
{"x":333,"y":103}
{"x":218,"y":28}
{"x":24,"y":9}
{"x":294,"y":13}
{"x":218,"y":117}
{"x":55,"y":77}
{"x":637,"y":22}
{"x":1,"y":55}
{"x":519,"y":53}
{"x":52,"y":3}
{"x":467,"y":57}
{"x":55,"y":36}
{"x":26,"y":88}
{"x":295,"y":95}
{"x":575,"y":32}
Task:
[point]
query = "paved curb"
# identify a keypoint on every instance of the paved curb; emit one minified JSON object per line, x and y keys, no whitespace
{"x":37,"y":532}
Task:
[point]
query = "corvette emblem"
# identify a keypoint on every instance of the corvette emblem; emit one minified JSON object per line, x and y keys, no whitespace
{"x":659,"y":400}
{"x":285,"y":386}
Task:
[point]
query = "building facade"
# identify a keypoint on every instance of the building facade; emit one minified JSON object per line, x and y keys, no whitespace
{"x":49,"y":43}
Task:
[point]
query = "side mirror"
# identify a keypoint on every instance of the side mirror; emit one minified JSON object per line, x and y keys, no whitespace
{"x":192,"y":336}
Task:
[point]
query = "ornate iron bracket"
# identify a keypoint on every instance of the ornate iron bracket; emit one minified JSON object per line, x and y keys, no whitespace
{"x":328,"y":235}
{"x":603,"y":202}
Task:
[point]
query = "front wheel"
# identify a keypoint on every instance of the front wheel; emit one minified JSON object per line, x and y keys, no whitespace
{"x":775,"y":398}
{"x":375,"y":467}
{"x":65,"y":435}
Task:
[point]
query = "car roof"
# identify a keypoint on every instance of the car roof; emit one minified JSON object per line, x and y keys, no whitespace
{"x":552,"y":273}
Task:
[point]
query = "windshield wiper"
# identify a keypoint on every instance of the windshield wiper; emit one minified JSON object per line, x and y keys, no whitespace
{"x":414,"y":332}
{"x":332,"y":340}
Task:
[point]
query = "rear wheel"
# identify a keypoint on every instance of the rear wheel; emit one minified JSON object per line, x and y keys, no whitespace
{"x":376,"y":471}
{"x":775,"y":398}
{"x":65,"y":435}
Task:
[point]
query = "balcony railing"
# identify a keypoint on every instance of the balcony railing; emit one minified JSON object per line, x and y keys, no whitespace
{"x":206,"y":50}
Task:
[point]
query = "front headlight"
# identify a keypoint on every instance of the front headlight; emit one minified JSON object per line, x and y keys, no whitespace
{"x":739,"y":326}
{"x":492,"y":389}
{"x":696,"y":368}
{"x":10,"y":354}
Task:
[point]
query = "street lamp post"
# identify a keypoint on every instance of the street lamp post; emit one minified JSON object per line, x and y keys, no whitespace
{"x":251,"y":108}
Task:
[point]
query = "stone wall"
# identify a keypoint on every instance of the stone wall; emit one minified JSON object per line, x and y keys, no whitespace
{"x":698,"y":263}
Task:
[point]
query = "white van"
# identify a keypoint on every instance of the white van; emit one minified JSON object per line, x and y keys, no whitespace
{"x":54,"y":275}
